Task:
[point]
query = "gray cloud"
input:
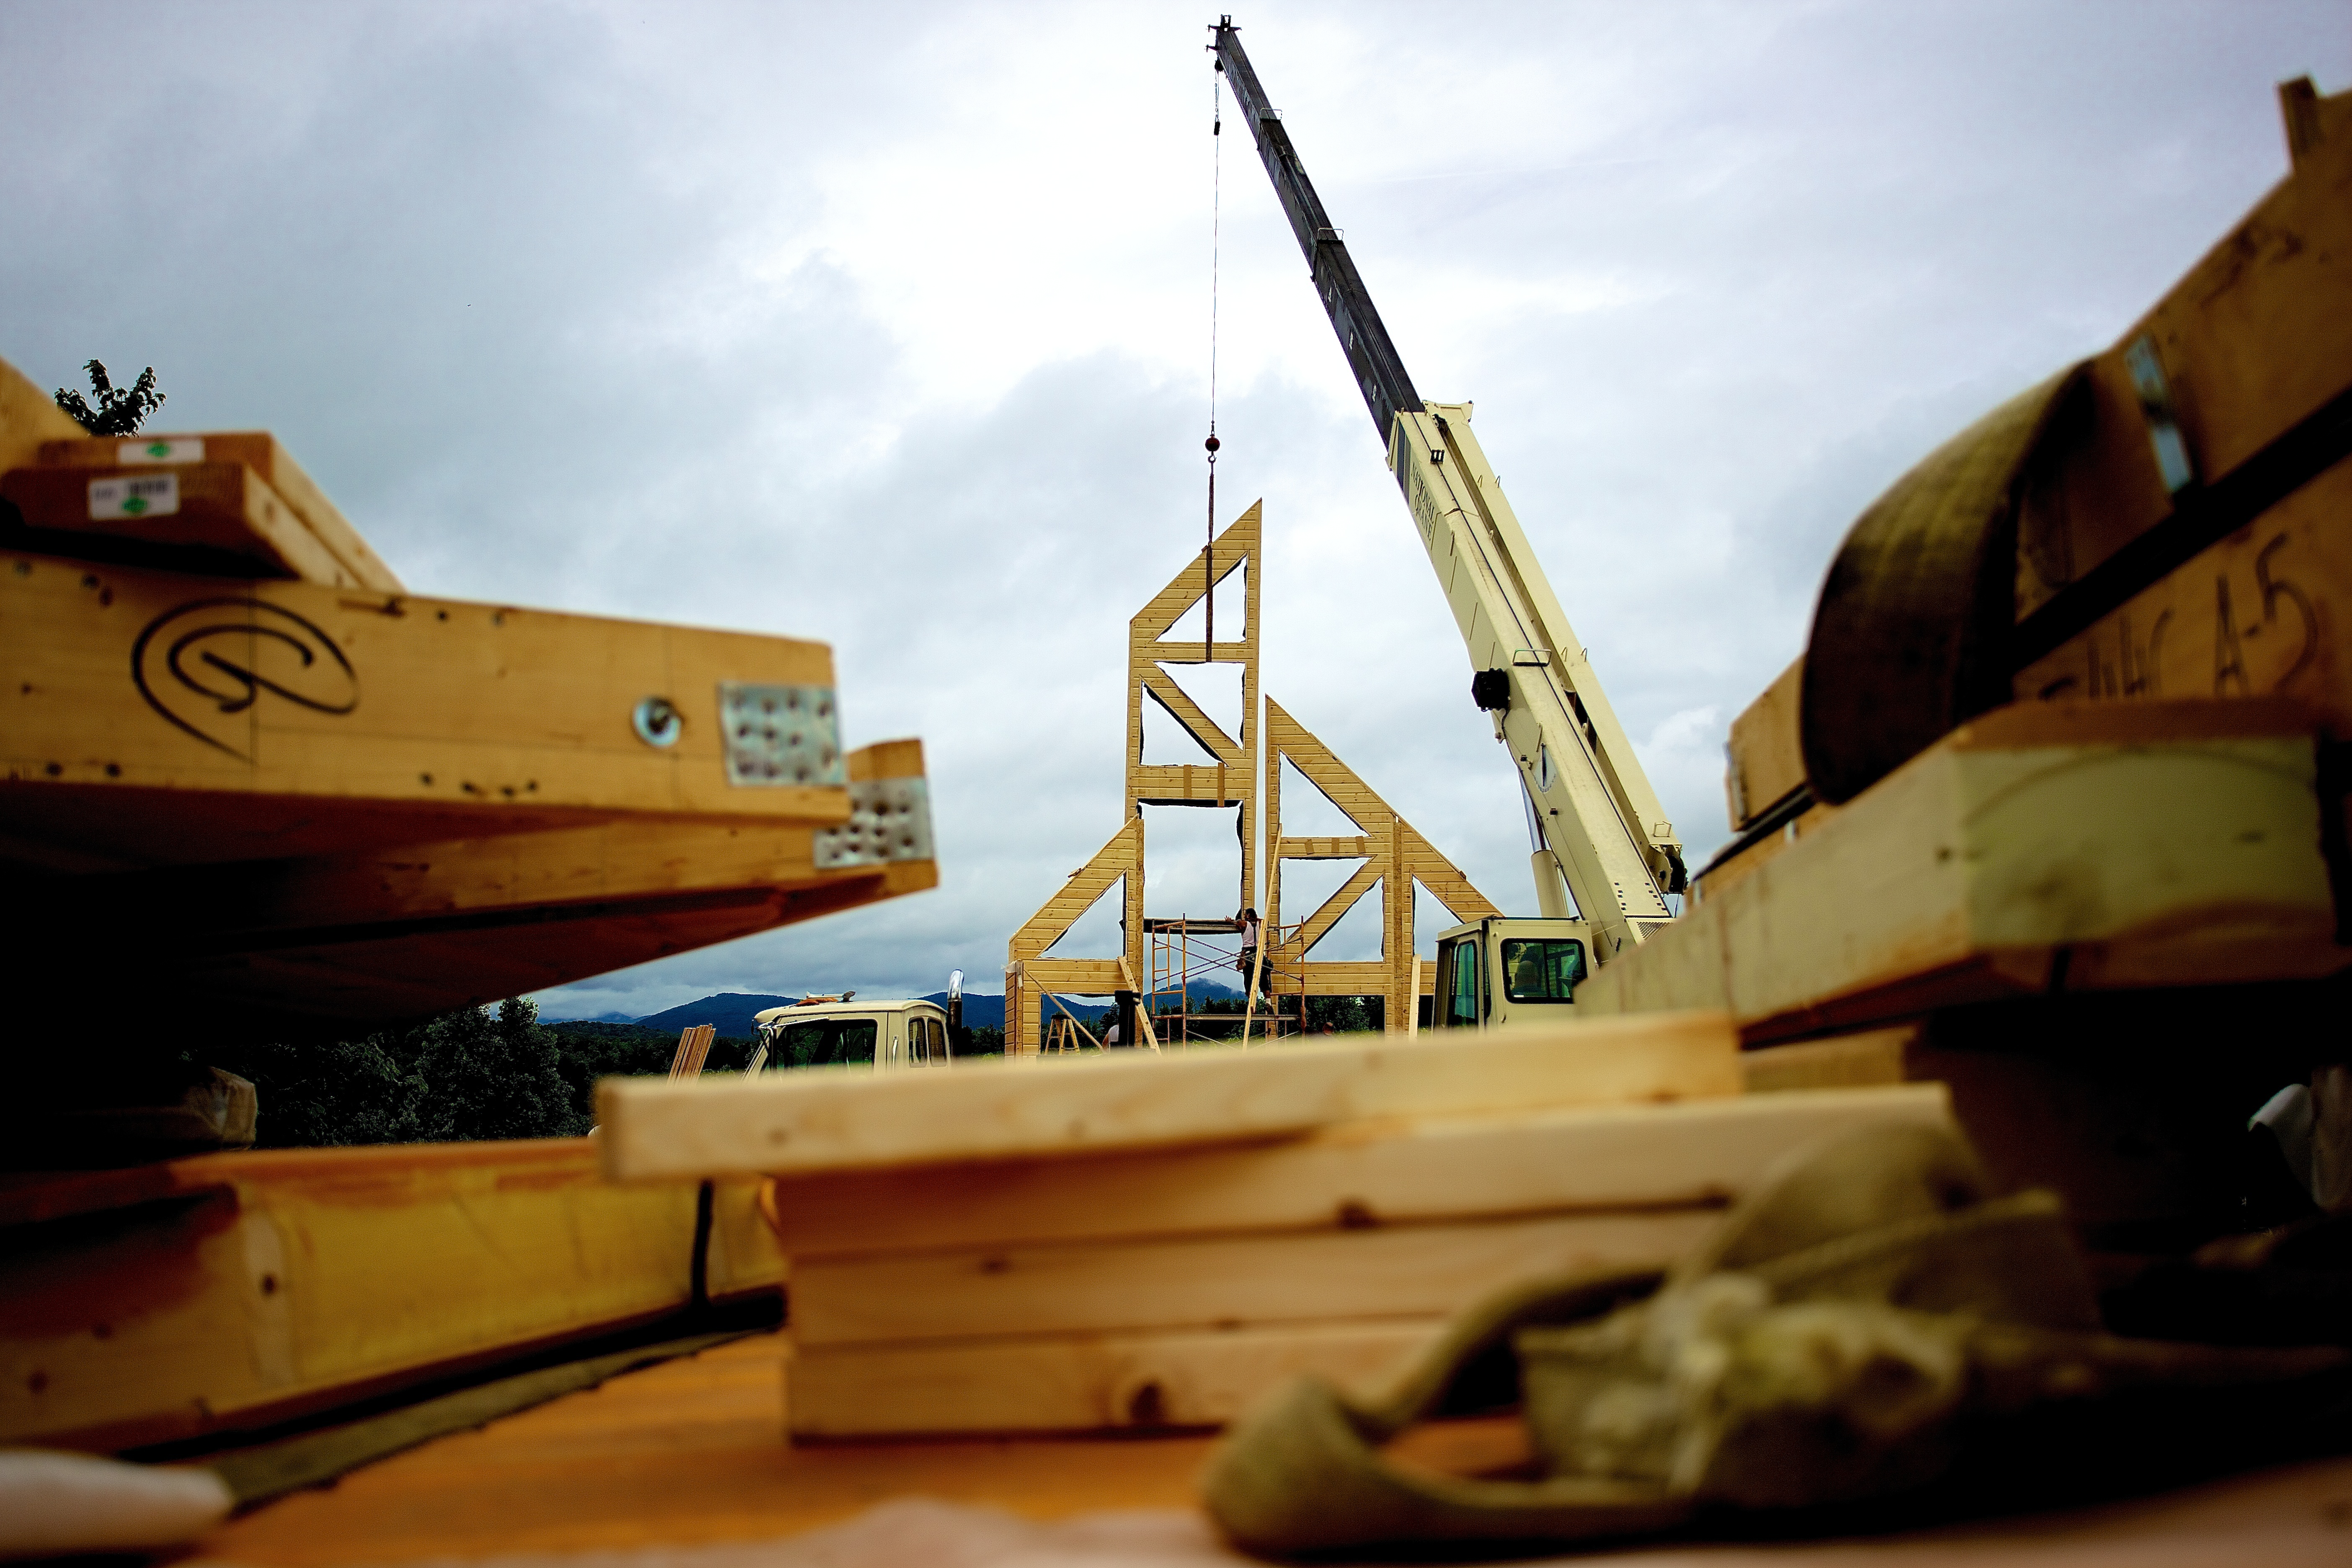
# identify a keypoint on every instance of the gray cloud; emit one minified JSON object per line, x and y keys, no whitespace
{"x":890,"y":328}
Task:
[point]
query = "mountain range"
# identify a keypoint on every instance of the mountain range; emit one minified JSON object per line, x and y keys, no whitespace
{"x":731,"y":1012}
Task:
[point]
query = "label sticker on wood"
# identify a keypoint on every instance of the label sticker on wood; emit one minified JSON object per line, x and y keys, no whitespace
{"x":175,"y":449}
{"x":144,"y":497}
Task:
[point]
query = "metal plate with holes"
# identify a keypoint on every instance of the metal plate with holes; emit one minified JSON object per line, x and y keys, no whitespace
{"x":889,"y":819}
{"x":781,"y":735}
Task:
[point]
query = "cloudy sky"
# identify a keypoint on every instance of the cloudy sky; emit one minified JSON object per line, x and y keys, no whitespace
{"x":888,"y":325}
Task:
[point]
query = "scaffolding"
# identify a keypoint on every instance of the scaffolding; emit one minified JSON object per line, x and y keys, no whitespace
{"x":1185,"y":951}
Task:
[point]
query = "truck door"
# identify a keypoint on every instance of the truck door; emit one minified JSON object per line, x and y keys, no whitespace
{"x":1461,"y":995}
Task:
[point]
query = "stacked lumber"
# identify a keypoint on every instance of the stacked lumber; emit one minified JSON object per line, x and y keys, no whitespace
{"x":2054,"y":806}
{"x":226,"y":1292}
{"x":233,"y":504}
{"x":2047,"y":846}
{"x":1153,"y":1241}
{"x":236,"y":748}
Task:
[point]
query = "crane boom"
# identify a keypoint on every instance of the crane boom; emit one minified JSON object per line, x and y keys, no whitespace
{"x":1597,"y":824}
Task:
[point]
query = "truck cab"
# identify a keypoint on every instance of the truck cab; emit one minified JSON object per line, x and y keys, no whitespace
{"x":1505,"y":970}
{"x":829,"y":1031}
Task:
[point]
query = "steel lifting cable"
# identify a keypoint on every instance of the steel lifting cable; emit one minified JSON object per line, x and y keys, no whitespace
{"x":1216,"y":184}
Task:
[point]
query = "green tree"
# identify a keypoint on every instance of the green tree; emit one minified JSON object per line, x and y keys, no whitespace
{"x":493,"y":1077}
{"x":121,"y":409}
{"x":468,"y":1074}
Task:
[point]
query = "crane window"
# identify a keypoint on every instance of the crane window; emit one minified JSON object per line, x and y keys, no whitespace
{"x":1461,"y":975}
{"x":821,"y":1042}
{"x":1542,"y":969}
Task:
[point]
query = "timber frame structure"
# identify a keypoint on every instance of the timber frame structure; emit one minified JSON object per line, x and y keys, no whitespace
{"x":1394,"y":855}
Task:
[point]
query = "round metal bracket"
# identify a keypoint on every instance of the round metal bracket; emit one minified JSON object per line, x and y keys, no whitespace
{"x":656,"y":721}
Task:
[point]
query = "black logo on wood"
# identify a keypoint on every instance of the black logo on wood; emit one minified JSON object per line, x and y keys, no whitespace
{"x":210,"y":660}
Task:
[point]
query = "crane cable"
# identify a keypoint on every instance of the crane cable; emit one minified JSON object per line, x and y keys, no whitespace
{"x":1216,"y":183}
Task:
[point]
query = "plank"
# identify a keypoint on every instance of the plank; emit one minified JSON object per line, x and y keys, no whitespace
{"x":1380,"y":1272}
{"x":1719,"y":876}
{"x":221,"y":507}
{"x":1689,"y":1153}
{"x":2143,"y":843}
{"x":259,"y":451}
{"x":1766,"y":760}
{"x":291,"y":1280}
{"x":2260,"y":614}
{"x":397,"y":931}
{"x":1004,"y":1108}
{"x":420,"y":703}
{"x":1074,"y":1383}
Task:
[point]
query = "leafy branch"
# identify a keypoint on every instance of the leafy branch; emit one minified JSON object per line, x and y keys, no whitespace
{"x":121,"y":409}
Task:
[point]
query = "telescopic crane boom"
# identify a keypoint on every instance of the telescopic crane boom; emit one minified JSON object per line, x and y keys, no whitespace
{"x":1595,"y":821}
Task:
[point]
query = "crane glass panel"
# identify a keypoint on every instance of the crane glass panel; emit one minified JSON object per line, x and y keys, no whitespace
{"x":1542,"y":969}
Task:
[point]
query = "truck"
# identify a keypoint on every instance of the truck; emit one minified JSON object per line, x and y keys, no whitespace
{"x":1604,"y":856}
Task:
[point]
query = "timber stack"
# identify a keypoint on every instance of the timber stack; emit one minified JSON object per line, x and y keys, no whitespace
{"x":2052,"y":809}
{"x":256,"y":789}
{"x":1150,"y":1241}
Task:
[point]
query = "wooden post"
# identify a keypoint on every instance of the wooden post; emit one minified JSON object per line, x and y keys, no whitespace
{"x":693,"y":1046}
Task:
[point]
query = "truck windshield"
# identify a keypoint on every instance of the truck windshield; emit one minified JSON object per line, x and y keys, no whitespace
{"x":821,"y":1042}
{"x":1542,"y":969}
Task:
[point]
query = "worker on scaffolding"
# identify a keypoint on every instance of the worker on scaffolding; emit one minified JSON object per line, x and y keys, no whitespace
{"x":1246,"y":919}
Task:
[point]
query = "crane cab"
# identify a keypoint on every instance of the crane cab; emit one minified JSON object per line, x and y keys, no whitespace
{"x":1504,"y":970}
{"x":825,"y":1031}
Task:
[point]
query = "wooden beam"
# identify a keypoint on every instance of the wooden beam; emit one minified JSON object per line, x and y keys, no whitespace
{"x":1316,"y":926}
{"x":261,"y":452}
{"x":1238,"y":544}
{"x":1075,"y":977}
{"x":1406,"y":1271}
{"x":1354,"y":848}
{"x":282,"y":1281}
{"x":1005,"y":1109}
{"x":2045,"y":846}
{"x":1120,"y":856}
{"x":406,"y":928}
{"x":408,"y":704}
{"x":1765,"y":761}
{"x":222,"y":507}
{"x":1204,"y":731}
{"x":1689,"y":1153}
{"x":1183,"y":784}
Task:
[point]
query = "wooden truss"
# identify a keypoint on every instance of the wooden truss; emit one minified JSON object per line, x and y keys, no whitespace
{"x":1395,"y":856}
